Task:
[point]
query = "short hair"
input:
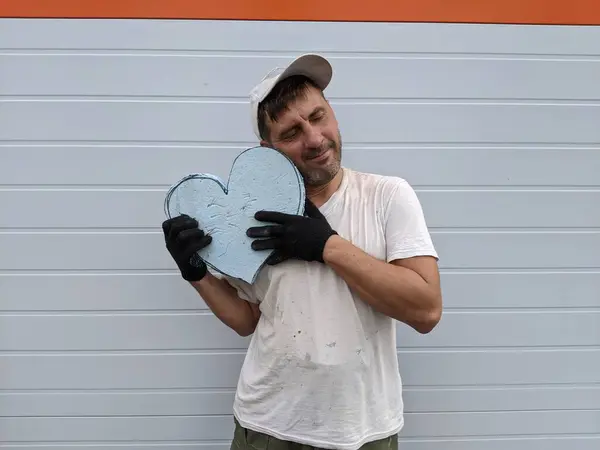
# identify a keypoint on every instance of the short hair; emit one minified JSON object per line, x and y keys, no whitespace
{"x":284,"y":92}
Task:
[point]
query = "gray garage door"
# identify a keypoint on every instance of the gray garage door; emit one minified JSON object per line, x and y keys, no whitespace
{"x":497,"y":127}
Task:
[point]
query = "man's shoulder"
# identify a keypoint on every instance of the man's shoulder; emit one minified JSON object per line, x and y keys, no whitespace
{"x":390,"y":192}
{"x":376,"y":180}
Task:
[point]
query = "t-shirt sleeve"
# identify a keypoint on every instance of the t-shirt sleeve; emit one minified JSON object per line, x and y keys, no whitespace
{"x":406,"y":231}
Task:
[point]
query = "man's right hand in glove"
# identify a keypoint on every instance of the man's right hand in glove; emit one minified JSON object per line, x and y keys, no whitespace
{"x":183,"y":239}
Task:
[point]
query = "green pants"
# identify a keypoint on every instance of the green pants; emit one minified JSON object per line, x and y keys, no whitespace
{"x":244,"y":439}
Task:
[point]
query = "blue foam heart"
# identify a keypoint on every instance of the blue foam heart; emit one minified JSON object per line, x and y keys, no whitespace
{"x":261,"y":178}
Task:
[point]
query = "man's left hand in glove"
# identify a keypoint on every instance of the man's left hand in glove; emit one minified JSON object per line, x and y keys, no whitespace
{"x":292,"y":236}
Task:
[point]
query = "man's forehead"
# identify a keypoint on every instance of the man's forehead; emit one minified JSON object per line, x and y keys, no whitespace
{"x":291,"y":117}
{"x":301,"y":107}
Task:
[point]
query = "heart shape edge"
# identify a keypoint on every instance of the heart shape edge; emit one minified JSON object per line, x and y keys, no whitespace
{"x":257,"y":259}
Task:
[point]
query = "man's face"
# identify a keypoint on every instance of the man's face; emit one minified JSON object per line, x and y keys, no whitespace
{"x":307,"y":132}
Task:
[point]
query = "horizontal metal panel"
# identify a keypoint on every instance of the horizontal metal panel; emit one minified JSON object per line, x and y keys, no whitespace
{"x":93,"y":292}
{"x":420,"y":165}
{"x":557,"y":442}
{"x":416,"y":76}
{"x":177,"y":403}
{"x":139,"y":251}
{"x":505,"y":209}
{"x":139,"y":402}
{"x":265,"y":36}
{"x":205,"y":331}
{"x":501,"y":398}
{"x":180,"y":121}
{"x":20,"y":429}
{"x":116,"y":428}
{"x":138,"y":208}
{"x":488,"y":329}
{"x":127,"y":332}
{"x":521,"y":289}
{"x":131,"y":291}
{"x":185,"y":370}
{"x":514,"y":250}
{"x":141,"y":208}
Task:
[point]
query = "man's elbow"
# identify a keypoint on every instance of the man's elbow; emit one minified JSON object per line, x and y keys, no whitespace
{"x":428,"y":324}
{"x":247,"y":327}
{"x":244,"y":332}
{"x":247,"y":322}
{"x":431,"y":317}
{"x":244,"y":329}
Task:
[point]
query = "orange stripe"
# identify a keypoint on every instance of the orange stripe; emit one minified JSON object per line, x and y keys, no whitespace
{"x":571,"y":12}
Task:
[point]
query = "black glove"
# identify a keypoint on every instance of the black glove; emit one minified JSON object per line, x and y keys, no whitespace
{"x":294,"y":236}
{"x":184,"y":239}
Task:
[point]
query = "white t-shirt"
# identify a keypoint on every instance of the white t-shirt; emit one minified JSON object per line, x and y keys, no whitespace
{"x":321,"y":368}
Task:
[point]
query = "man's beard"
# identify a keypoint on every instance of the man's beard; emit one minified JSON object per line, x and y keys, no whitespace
{"x":323,"y":175}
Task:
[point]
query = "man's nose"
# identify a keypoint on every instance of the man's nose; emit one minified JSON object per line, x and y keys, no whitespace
{"x":314,"y":137}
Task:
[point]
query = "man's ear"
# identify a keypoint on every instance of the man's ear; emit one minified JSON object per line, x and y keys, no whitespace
{"x":264,"y":143}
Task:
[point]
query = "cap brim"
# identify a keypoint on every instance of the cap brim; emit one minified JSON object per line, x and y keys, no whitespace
{"x":312,"y":66}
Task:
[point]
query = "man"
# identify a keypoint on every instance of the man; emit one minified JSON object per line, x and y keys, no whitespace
{"x":321,"y":369}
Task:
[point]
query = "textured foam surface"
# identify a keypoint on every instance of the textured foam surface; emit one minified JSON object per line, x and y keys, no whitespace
{"x":260,"y":179}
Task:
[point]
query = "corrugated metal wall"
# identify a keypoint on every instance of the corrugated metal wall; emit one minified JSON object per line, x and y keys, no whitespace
{"x":495,"y":126}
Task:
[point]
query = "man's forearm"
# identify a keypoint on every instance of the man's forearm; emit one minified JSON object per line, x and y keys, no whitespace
{"x":224,"y":302}
{"x":395,"y":291}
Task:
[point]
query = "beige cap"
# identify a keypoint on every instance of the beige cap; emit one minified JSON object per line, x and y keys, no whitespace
{"x":312,"y":66}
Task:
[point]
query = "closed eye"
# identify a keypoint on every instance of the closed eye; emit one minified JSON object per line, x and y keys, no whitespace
{"x":317,"y":115}
{"x":289,"y":134}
